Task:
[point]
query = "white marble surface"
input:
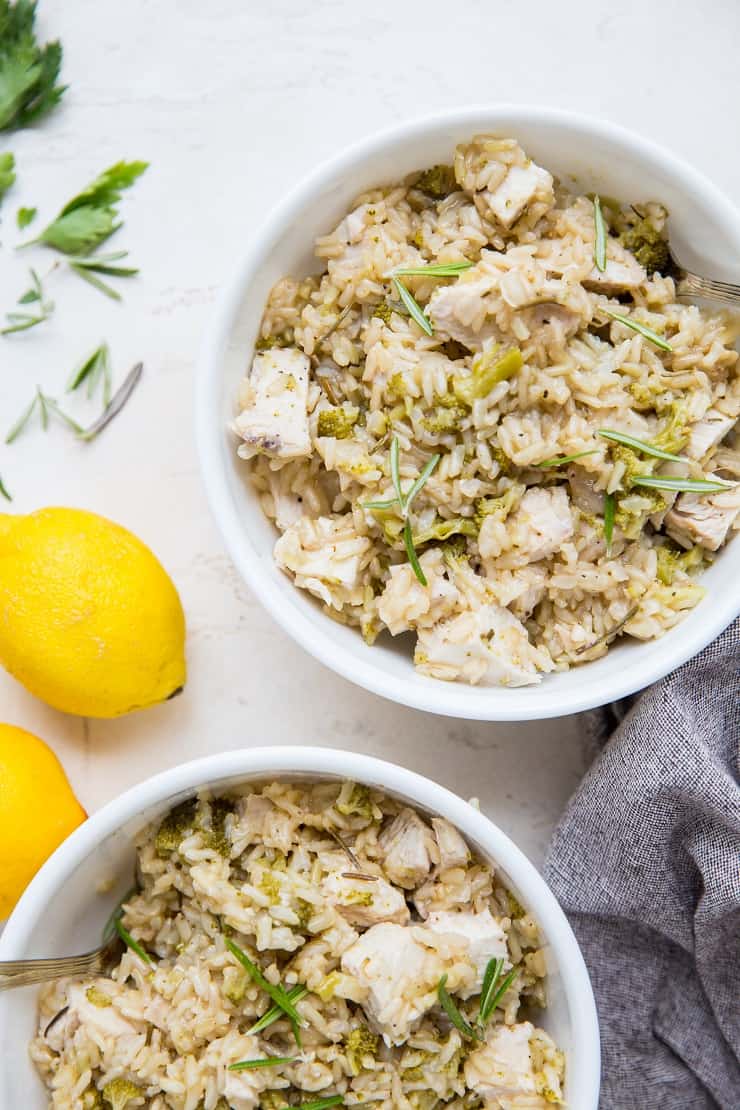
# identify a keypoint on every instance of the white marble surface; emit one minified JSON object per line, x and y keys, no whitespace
{"x":231,"y":100}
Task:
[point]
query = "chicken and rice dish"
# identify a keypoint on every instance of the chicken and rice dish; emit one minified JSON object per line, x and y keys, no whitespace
{"x":488,"y":421}
{"x":311,"y":945}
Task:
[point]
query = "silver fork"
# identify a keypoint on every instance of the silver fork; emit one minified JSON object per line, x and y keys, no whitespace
{"x":693,"y":285}
{"x":24,"y":973}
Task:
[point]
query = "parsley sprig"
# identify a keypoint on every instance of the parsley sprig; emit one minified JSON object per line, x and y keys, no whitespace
{"x":7,"y":172}
{"x":28,"y":72}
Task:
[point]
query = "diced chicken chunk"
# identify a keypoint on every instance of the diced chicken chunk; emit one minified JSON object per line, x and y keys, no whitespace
{"x":502,"y":1071}
{"x":363,"y":902}
{"x":703,"y":520}
{"x":326,"y":555}
{"x":103,"y":1020}
{"x":459,"y":311}
{"x":406,"y":844}
{"x":241,"y":1089}
{"x":398,"y":976}
{"x":541,"y":524}
{"x":405,"y":603}
{"x":505,"y":183}
{"x":622,"y":274}
{"x":707,"y":432}
{"x":488,"y":646}
{"x":274,"y":417}
{"x":523,"y":186}
{"x":482,"y":936}
{"x":453,"y":851}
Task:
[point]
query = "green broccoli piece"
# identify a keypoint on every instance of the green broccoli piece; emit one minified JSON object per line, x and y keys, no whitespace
{"x":438,"y":181}
{"x":383,"y":311}
{"x":497,"y":506}
{"x":97,"y":997}
{"x":354,"y":799}
{"x":216,"y":837}
{"x":673,"y":436}
{"x":359,"y":1044}
{"x":444,"y":529}
{"x":447,"y":415}
{"x":670,"y":561}
{"x":174,"y":827}
{"x":633,"y":464}
{"x":119,"y":1092}
{"x":648,"y":246}
{"x":338,"y":422}
{"x":92,"y":1099}
{"x":487,"y":371}
{"x":267,"y":342}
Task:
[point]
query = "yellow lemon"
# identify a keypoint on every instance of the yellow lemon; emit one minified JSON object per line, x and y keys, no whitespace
{"x":90,"y":622}
{"x":37,"y":810}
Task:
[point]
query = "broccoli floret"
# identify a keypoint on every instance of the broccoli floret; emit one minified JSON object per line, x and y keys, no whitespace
{"x":354,"y":799}
{"x":173,"y":829}
{"x":487,"y":371}
{"x":632,"y":462}
{"x":357,"y":898}
{"x":359,"y":1044}
{"x":383,"y":311}
{"x":119,"y":1092}
{"x":648,"y":246}
{"x":236,"y":984}
{"x":673,"y":436}
{"x":447,"y":415}
{"x":338,"y":422}
{"x":215,"y":837}
{"x":438,"y":181}
{"x":98,"y":997}
{"x":267,"y":342}
{"x":671,"y":561}
{"x":269,"y":884}
{"x":497,"y":506}
{"x":92,"y":1099}
{"x":444,"y":529}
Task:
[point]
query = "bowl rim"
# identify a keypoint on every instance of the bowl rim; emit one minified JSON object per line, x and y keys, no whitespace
{"x":307,"y":761}
{"x":316,"y":637}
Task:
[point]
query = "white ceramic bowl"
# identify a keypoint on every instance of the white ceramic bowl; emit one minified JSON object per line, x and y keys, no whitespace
{"x":705,"y":232}
{"x":61,"y":913}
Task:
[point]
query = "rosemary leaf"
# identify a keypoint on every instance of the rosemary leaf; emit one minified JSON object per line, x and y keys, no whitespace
{"x":129,"y":941}
{"x":395,"y":470}
{"x":380,"y":505}
{"x":421,"y":480}
{"x":89,"y":368}
{"x":264,"y":1062}
{"x":295,"y":994}
{"x":408,"y":540}
{"x":610,"y":505}
{"x":561,"y":460}
{"x":493,"y":972}
{"x":415,"y":312}
{"x":600,"y":239}
{"x":641,"y":329}
{"x":4,"y":491}
{"x":683,"y":485}
{"x":639,"y":445}
{"x":23,"y":419}
{"x":503,"y":987}
{"x":444,"y":269}
{"x":277,"y":994}
{"x":449,"y":1007}
{"x":92,"y":279}
{"x":115,"y":405}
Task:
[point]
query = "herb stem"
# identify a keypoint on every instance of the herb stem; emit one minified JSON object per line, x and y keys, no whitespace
{"x":600,"y":237}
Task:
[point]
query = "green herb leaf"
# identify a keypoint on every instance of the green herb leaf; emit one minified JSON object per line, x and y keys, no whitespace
{"x":91,"y":217}
{"x":421,"y":480}
{"x":116,"y":403}
{"x":22,"y":321}
{"x":7,"y":172}
{"x":443,"y":269}
{"x":110,"y":926}
{"x":641,"y":329}
{"x":395,"y":470}
{"x":610,"y":505}
{"x":94,"y":368}
{"x":600,"y":239}
{"x":408,"y":540}
{"x":449,"y":1007}
{"x":494,"y":995}
{"x":295,"y":994}
{"x":683,"y":485}
{"x":414,"y":310}
{"x":640,"y":445}
{"x":319,"y":1104}
{"x":129,"y":941}
{"x":4,"y":491}
{"x":561,"y":460}
{"x":25,"y":216}
{"x":494,"y":968}
{"x":277,"y":994}
{"x":95,"y":281}
{"x":23,"y":419}
{"x":264,"y":1062}
{"x":28,"y":72}
{"x":380,"y":504}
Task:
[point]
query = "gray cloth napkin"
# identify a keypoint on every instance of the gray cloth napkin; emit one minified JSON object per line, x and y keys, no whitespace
{"x":646,"y":863}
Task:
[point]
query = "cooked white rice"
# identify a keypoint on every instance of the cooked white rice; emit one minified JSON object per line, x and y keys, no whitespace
{"x":340,"y":890}
{"x":524,"y":365}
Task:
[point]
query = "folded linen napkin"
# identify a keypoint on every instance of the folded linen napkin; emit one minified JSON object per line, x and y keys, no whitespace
{"x":646,"y":863}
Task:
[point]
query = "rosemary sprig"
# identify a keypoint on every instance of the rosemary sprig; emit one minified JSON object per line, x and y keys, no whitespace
{"x":4,"y":491}
{"x":641,"y":329}
{"x":129,"y":941}
{"x":264,"y":1062}
{"x":414,"y":310}
{"x":277,"y":994}
{"x":117,"y":401}
{"x":380,"y":505}
{"x":395,"y":469}
{"x":682,"y":485}
{"x":295,"y":994}
{"x":421,"y":480}
{"x":22,"y":321}
{"x":639,"y":445}
{"x":443,"y":269}
{"x":492,"y":991}
{"x":610,"y":506}
{"x":448,"y":1005}
{"x":600,"y":239}
{"x":46,"y":406}
{"x":561,"y":460}
{"x":92,"y":369}
{"x":88,"y":267}
{"x":408,"y":540}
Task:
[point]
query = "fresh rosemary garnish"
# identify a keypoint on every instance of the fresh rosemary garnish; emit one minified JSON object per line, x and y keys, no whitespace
{"x":415,"y":312}
{"x":641,"y":329}
{"x":403,"y":501}
{"x":4,"y":491}
{"x":46,"y":407}
{"x":610,"y":506}
{"x":682,"y":485}
{"x":278,"y":995}
{"x":408,"y":540}
{"x":93,"y":369}
{"x":129,"y":941}
{"x":395,"y":469}
{"x":561,"y":460}
{"x":421,"y":481}
{"x":443,"y":269}
{"x":22,"y":321}
{"x":295,"y":994}
{"x":492,"y":991}
{"x":449,"y":1007}
{"x":319,"y":1104}
{"x":88,"y":267}
{"x":600,"y":238}
{"x":263,"y":1062}
{"x":639,"y":445}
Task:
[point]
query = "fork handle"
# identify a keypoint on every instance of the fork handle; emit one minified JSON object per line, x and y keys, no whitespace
{"x":25,"y":973}
{"x":692,"y":285}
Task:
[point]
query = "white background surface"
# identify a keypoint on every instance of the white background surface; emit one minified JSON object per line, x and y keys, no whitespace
{"x":231,"y":100}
